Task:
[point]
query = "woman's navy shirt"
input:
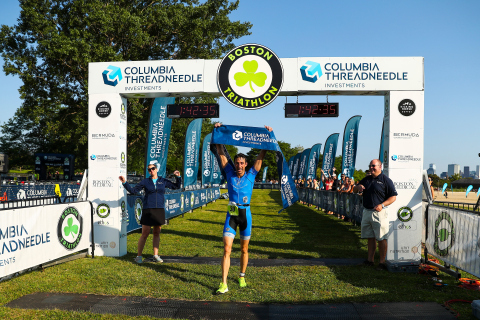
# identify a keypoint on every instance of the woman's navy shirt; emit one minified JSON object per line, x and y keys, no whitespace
{"x":154,"y":197}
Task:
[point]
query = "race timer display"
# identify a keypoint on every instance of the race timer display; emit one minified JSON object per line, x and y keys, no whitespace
{"x":309,"y":110}
{"x":200,"y":110}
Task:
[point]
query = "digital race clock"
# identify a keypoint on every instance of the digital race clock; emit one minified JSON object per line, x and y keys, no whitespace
{"x":308,"y":110}
{"x":200,"y":110}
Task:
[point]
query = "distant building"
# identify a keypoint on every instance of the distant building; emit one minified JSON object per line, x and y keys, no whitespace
{"x":432,"y":169}
{"x":466,"y":171}
{"x":453,"y":169}
{"x":443,"y":175}
{"x":473,"y":174}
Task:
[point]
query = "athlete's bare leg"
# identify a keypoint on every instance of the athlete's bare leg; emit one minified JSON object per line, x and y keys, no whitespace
{"x":244,"y":256}
{"x":227,"y":250}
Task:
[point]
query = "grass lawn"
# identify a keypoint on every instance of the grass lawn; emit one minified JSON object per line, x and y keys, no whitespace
{"x":298,"y":232}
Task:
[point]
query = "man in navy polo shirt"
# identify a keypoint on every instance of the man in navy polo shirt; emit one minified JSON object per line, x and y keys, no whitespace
{"x":378,"y":193}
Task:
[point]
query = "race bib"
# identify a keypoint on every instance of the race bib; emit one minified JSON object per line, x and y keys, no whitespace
{"x":232,"y":208}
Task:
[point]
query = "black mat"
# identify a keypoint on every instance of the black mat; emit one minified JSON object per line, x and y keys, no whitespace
{"x":168,"y":308}
{"x":263,"y":262}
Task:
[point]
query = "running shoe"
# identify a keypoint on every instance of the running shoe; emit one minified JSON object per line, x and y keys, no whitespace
{"x":241,"y":282}
{"x":156,"y":258}
{"x":382,"y":266}
{"x":138,"y":259}
{"x":222,"y":289}
{"x":368,"y":263}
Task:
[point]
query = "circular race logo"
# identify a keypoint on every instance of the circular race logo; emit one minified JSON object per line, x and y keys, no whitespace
{"x":250,"y":76}
{"x":444,"y":234}
{"x":103,"y":109}
{"x":406,"y":107}
{"x":70,"y":228}
{"x":103,"y":210}
{"x":138,"y":209}
{"x":405,"y":214}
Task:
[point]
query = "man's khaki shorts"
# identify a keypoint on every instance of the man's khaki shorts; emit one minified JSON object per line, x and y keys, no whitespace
{"x":374,"y":224}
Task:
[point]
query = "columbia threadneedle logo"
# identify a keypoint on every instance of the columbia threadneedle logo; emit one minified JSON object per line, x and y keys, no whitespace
{"x":112,"y":76}
{"x":311,"y":71}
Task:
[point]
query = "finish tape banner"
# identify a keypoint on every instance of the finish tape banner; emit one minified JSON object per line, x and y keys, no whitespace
{"x":158,"y":136}
{"x":190,"y":155}
{"x":36,"y":235}
{"x":258,"y":138}
{"x":24,"y":192}
{"x":349,"y":154}
{"x":175,"y":204}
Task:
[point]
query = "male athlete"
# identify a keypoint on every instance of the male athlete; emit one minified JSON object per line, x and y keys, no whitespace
{"x":240,"y":187}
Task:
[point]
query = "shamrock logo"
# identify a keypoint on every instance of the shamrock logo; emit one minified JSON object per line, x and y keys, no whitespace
{"x":250,"y":75}
{"x":70,"y":228}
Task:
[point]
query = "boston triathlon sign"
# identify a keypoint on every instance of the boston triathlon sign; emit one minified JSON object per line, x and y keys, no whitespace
{"x":250,"y":76}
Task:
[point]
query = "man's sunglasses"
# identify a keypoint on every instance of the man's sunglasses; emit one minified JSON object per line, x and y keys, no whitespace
{"x":152,"y":168}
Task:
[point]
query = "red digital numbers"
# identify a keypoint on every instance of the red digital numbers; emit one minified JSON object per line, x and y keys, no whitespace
{"x":301,"y":110}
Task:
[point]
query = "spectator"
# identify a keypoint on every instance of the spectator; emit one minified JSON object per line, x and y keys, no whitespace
{"x":378,"y":193}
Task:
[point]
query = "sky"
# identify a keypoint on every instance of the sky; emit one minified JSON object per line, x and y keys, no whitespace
{"x":445,"y":33}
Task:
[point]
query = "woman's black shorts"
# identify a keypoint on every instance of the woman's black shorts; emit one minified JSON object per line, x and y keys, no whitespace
{"x":153,"y":217}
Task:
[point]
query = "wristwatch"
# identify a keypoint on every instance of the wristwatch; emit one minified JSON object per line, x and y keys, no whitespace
{"x":383,"y":207}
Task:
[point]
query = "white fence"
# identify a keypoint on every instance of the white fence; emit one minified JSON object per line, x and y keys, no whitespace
{"x":36,"y":235}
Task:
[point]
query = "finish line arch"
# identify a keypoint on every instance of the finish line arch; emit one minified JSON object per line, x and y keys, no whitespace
{"x":399,"y":79}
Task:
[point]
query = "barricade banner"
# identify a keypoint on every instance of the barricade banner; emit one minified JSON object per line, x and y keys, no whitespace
{"x":206,"y":160}
{"x":23,"y":192}
{"x":452,"y":236}
{"x":313,"y":161}
{"x":35,"y":235}
{"x":302,"y":170}
{"x":190,"y":156}
{"x":329,"y":153}
{"x":349,"y":154}
{"x":175,"y":204}
{"x":158,"y":136}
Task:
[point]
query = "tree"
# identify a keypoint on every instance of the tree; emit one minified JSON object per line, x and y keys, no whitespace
{"x":270,"y":158}
{"x":53,"y":42}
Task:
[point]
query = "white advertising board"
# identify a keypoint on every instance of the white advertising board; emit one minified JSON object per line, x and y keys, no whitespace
{"x":36,"y":235}
{"x":107,"y":161}
{"x":309,"y":75}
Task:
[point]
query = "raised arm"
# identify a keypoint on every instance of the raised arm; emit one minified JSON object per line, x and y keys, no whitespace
{"x":257,"y":165}
{"x":223,"y":157}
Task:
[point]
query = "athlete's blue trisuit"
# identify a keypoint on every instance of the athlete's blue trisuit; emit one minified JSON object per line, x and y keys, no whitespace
{"x":239,"y":191}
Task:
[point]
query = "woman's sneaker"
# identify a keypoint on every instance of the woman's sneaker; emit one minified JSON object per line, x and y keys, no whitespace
{"x":241,"y":282}
{"x":222,"y":289}
{"x":157,"y":258}
{"x":138,"y":259}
